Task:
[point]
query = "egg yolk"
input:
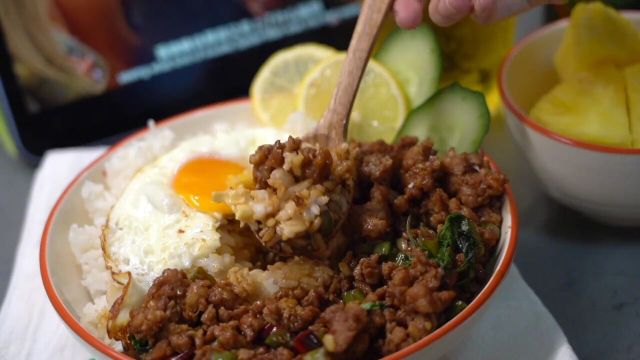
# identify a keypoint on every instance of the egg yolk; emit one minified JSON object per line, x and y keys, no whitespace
{"x":199,"y":178}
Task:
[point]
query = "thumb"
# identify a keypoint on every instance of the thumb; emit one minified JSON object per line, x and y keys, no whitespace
{"x":408,"y":13}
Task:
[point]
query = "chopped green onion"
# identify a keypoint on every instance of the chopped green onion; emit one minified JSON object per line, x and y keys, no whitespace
{"x":317,"y":354}
{"x":376,"y":305}
{"x":457,"y":308}
{"x":352,"y":295}
{"x":278,"y":338}
{"x":140,"y":345}
{"x":223,"y":355}
{"x":326,"y":225}
{"x":383,"y":249}
{"x":431,"y":246}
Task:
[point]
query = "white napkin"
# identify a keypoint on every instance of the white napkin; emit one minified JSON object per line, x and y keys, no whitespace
{"x":516,"y":324}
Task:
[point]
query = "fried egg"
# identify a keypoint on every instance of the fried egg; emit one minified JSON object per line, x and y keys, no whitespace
{"x":166,"y":217}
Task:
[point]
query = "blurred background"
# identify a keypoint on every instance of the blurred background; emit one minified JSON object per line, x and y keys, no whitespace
{"x":77,"y":72}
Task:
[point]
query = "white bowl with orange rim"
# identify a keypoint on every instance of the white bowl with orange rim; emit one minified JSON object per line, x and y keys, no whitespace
{"x":602,"y":182}
{"x":61,"y":275}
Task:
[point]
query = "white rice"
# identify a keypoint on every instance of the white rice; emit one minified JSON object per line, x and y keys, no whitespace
{"x":85,"y":244}
{"x":98,"y":200}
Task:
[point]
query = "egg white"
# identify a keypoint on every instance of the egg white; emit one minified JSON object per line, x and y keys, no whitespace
{"x":150,"y":228}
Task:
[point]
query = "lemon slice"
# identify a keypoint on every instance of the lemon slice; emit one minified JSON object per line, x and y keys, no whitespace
{"x":273,"y":90}
{"x":380,"y":106}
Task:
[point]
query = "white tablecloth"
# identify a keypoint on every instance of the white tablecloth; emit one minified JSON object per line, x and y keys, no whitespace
{"x":516,"y":325}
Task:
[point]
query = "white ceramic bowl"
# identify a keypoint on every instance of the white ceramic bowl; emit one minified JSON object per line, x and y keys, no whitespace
{"x":61,"y":274}
{"x":600,"y":181}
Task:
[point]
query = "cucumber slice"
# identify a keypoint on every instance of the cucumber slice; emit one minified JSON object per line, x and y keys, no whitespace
{"x":455,"y":117}
{"x":413,"y":57}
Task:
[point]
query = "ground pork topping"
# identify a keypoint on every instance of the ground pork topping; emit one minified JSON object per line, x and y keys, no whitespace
{"x":301,"y":195}
{"x":418,"y":241}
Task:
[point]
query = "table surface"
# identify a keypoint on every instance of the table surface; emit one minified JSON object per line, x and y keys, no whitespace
{"x":587,"y":274}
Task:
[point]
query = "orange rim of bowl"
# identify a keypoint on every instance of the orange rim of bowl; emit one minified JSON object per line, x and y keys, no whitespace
{"x":529,"y":122}
{"x":494,"y":281}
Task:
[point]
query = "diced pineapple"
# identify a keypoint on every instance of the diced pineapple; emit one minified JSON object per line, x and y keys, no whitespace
{"x":596,"y":35}
{"x":590,"y":107}
{"x":632,"y":79}
{"x":565,"y":60}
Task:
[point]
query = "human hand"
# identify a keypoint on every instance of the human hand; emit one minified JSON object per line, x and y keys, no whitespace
{"x":409,"y":13}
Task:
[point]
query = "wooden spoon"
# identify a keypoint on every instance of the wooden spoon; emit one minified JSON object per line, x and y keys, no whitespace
{"x":332,"y":129}
{"x":331,"y":132}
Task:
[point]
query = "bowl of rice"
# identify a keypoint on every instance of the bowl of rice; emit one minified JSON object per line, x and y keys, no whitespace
{"x":105,"y":277}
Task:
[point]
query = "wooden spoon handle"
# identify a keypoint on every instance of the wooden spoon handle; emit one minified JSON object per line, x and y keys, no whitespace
{"x":335,"y":121}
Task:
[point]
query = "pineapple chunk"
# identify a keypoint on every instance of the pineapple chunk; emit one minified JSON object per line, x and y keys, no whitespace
{"x":590,"y":107}
{"x":632,"y":78}
{"x":565,"y":59}
{"x":596,"y":35}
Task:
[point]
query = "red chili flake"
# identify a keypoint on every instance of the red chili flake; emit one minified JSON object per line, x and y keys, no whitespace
{"x":306,"y":341}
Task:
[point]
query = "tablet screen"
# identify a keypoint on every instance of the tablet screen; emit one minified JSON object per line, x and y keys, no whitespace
{"x":81,"y":71}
